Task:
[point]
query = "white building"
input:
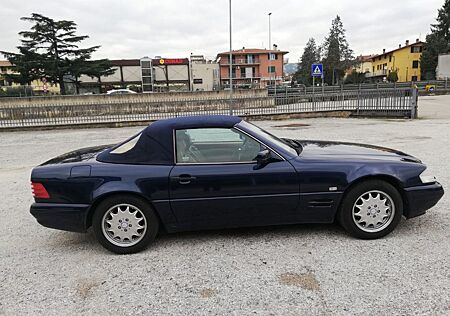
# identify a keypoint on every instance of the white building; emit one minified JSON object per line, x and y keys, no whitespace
{"x":204,"y":74}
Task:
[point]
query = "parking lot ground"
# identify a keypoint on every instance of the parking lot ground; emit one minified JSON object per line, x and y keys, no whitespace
{"x":289,"y":270}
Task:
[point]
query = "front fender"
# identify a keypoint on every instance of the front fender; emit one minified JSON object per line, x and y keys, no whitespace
{"x":404,"y":174}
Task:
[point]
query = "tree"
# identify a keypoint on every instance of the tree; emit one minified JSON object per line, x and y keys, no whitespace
{"x":25,"y":66}
{"x":91,"y":68}
{"x":355,"y":77}
{"x":392,"y":76}
{"x":337,"y":55}
{"x":310,"y":56}
{"x":437,"y":42}
{"x":54,"y":47}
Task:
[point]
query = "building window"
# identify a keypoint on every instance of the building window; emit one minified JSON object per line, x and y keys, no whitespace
{"x":373,"y":69}
{"x":273,"y":56}
{"x":146,"y":80}
{"x":146,"y":72}
{"x":416,"y":49}
{"x":390,"y":58}
{"x":233,"y":72}
{"x":414,"y":78}
{"x":415,"y":64}
{"x":271,"y":69}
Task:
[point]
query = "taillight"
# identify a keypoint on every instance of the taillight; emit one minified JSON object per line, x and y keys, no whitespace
{"x":39,"y":191}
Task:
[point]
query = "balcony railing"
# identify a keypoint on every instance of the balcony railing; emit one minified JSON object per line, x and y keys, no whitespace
{"x":254,"y":75}
{"x":377,"y":73}
{"x":242,"y":61}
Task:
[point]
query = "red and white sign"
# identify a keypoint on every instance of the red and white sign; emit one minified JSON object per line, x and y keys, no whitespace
{"x":171,"y":61}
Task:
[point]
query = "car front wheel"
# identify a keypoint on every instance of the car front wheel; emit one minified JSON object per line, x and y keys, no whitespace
{"x":125,"y":224}
{"x":371,"y":209}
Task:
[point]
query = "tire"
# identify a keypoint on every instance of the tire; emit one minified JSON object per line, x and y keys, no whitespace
{"x":125,"y":224}
{"x":372,"y":209}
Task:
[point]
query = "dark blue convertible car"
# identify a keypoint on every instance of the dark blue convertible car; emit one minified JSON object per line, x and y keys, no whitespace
{"x":207,"y":172}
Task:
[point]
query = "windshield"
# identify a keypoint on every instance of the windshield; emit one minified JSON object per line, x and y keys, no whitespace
{"x":290,"y":146}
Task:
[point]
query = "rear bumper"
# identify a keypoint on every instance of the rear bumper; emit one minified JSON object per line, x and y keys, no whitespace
{"x":422,"y":198}
{"x":70,"y":217}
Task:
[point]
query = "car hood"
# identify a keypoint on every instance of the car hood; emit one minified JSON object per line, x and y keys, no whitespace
{"x":313,"y":148}
{"x":78,"y":155}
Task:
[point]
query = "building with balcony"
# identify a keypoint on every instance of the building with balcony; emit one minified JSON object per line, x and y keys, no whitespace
{"x":405,"y":60}
{"x":252,"y":67}
{"x":38,"y":86}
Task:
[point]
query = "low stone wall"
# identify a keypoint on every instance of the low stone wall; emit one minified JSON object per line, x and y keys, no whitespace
{"x":139,"y":98}
{"x":154,"y":108}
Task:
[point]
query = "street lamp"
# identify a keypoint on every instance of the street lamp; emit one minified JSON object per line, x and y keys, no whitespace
{"x":231,"y":66}
{"x":270,"y":54}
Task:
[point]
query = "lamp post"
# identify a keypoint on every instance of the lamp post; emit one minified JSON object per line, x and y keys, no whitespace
{"x":270,"y":54}
{"x":230,"y":61}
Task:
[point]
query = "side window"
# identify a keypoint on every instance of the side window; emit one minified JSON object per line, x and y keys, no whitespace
{"x":127,"y":146}
{"x":214,"y":145}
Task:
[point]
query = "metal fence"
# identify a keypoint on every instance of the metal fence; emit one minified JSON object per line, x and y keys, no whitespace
{"x":401,"y":102}
{"x":435,"y":86}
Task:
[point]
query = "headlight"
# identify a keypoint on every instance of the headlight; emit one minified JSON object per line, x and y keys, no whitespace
{"x":426,"y":177}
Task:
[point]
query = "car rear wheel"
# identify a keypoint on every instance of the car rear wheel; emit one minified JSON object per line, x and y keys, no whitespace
{"x":371,"y":209}
{"x":125,"y":224}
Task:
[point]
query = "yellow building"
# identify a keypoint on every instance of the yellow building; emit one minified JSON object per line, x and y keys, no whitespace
{"x":38,"y":86}
{"x":405,"y":60}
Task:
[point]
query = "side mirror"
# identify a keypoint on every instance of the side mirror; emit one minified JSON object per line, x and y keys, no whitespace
{"x":263,"y":158}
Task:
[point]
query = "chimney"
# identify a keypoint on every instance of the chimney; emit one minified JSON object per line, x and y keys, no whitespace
{"x":243,"y":47}
{"x":275,"y":46}
{"x":399,"y":45}
{"x":417,"y":40}
{"x":407,"y":43}
{"x":384,"y":50}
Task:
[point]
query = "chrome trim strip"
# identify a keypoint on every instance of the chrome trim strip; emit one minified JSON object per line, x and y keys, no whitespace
{"x":227,"y":197}
{"x":315,"y":193}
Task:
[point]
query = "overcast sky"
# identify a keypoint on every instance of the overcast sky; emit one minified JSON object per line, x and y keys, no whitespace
{"x":175,"y":28}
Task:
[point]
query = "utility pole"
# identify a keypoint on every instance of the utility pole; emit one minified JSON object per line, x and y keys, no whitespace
{"x":230,"y":61}
{"x":270,"y":54}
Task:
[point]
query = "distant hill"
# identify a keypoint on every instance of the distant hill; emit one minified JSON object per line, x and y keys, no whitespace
{"x":290,"y":68}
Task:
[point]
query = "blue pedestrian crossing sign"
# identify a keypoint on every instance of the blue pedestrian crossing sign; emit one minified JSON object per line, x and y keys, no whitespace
{"x":317,"y":70}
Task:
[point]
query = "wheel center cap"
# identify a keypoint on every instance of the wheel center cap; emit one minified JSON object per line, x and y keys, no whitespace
{"x":124,"y":225}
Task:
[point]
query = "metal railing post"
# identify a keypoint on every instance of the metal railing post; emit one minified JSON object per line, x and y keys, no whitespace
{"x":358,"y":99}
{"x":378,"y":96}
{"x":413,"y":102}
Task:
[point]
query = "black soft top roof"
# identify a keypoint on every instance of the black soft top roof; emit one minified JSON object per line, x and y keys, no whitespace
{"x":155,"y":145}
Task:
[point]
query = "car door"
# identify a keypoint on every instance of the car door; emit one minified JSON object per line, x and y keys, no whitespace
{"x":216,"y":181}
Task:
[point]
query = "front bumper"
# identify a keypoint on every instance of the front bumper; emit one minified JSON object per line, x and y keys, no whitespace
{"x":70,"y":217}
{"x":421,"y":198}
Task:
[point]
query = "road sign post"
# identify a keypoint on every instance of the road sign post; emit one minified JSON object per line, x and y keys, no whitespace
{"x":314,"y":95}
{"x":316,"y":71}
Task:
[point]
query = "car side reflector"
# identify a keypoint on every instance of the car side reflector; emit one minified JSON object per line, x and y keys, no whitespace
{"x":39,"y":191}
